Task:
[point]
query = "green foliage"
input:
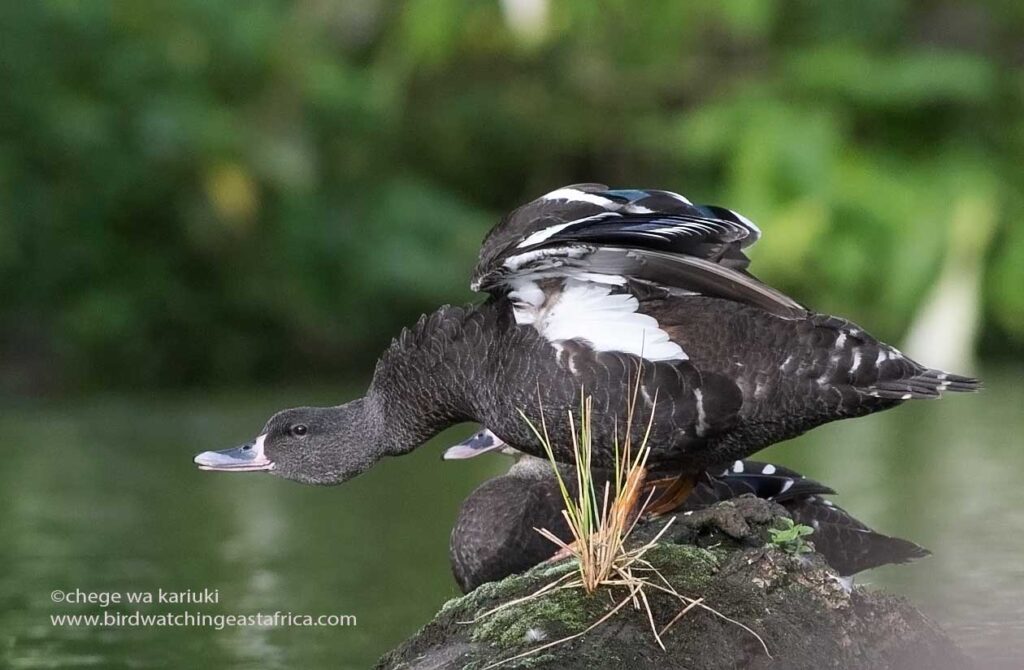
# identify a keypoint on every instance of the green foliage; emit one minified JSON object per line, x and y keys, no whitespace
{"x":204,"y":191}
{"x":790,"y":538}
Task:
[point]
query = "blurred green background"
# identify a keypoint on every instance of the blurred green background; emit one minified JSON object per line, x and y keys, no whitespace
{"x":210,"y":210}
{"x":197,"y":192}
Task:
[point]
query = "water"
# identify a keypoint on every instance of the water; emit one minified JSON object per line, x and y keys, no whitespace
{"x":101,"y":496}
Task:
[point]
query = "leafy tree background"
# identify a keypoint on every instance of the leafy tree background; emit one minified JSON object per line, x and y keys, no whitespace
{"x":211,"y":192}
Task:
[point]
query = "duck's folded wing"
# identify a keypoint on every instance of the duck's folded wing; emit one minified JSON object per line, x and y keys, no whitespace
{"x":606,"y":236}
{"x":690,"y":273}
{"x":764,"y":480}
{"x":697,"y":233}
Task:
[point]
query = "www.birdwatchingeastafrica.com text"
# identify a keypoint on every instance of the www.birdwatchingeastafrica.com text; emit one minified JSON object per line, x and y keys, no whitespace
{"x":113,"y":612}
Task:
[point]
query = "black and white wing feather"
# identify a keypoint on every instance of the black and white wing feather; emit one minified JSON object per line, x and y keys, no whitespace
{"x":764,"y":480}
{"x":594,"y":234}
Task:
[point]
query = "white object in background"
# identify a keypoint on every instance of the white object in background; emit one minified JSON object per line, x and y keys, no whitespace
{"x":946,"y":326}
{"x":526,"y":18}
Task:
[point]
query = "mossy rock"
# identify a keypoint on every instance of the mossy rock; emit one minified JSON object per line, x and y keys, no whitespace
{"x":800,"y":609}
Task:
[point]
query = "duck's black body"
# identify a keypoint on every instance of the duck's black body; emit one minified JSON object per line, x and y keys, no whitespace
{"x":590,"y":288}
{"x":727,"y":364}
{"x":494,"y":535}
{"x":752,"y":379}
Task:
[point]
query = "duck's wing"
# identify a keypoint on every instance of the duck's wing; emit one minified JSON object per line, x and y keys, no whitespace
{"x":590,"y":233}
{"x":764,"y":480}
{"x":848,"y":544}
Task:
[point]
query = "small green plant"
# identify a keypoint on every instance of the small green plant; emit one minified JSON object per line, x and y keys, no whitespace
{"x":790,"y":538}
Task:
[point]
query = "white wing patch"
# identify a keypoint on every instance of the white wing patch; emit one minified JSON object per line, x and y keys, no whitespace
{"x":572,"y":195}
{"x":584,"y":310}
{"x":541,"y":235}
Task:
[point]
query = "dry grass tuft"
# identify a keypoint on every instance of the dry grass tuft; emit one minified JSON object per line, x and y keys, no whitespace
{"x":600,"y":520}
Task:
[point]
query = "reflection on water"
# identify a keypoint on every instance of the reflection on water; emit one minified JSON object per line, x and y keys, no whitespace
{"x":102,"y":496}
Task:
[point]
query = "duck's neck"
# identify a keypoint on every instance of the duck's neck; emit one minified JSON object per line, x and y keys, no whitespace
{"x":420,"y":385}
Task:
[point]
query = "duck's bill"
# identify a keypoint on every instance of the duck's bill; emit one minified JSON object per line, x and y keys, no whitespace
{"x":246,"y":458}
{"x":479,"y":443}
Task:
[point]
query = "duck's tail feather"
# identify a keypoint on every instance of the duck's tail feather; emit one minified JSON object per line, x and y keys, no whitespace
{"x":930,"y":383}
{"x":848,"y":544}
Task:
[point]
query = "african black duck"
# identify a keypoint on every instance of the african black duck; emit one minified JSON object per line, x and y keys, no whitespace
{"x":592,"y":291}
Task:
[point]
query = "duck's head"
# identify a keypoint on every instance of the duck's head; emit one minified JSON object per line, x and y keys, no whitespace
{"x":312,"y":445}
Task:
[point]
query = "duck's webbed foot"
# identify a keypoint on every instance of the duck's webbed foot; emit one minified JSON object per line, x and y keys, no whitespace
{"x":744,"y":519}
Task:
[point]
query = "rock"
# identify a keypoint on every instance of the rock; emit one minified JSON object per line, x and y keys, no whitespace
{"x":803,"y":612}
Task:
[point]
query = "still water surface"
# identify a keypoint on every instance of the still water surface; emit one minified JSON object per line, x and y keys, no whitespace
{"x":101,"y":496}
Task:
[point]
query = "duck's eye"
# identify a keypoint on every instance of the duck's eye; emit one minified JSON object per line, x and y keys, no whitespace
{"x":299,"y":429}
{"x":247,"y":447}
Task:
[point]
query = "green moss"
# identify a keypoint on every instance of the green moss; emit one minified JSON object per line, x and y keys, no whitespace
{"x":555,"y":569}
{"x":568,"y":611}
{"x":488,"y":594}
{"x":558,"y":613}
{"x":686,"y":566}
